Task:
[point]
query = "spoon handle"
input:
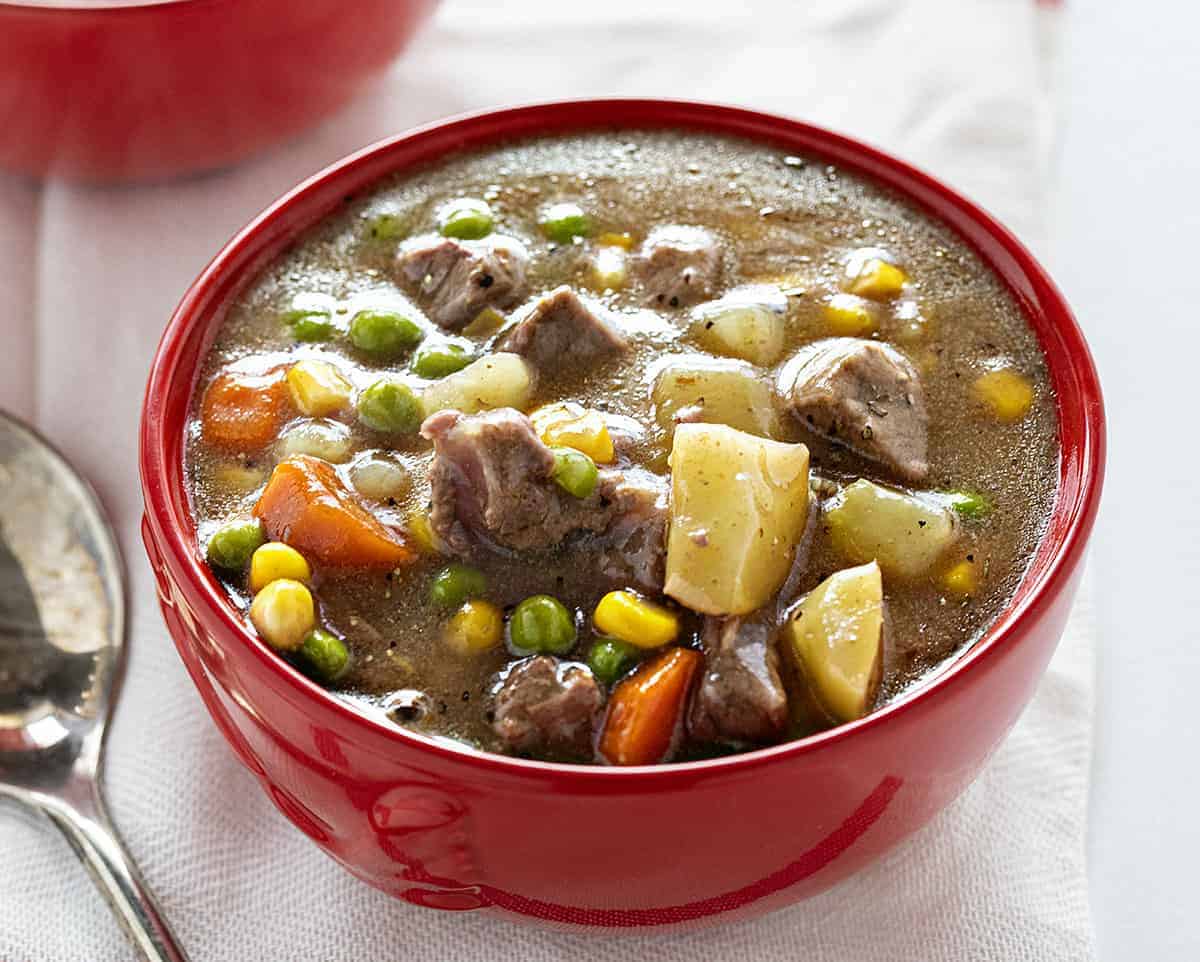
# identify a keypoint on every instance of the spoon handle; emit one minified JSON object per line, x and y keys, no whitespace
{"x":87,"y":826}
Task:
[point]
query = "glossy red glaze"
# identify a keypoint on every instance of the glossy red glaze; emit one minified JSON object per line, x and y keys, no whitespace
{"x":603,"y":847}
{"x":118,"y":90}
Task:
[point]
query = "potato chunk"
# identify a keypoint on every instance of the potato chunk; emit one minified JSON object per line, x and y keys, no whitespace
{"x":714,"y":391}
{"x":905,"y":533}
{"x":738,"y":508}
{"x":747,"y":323}
{"x":494,"y":381}
{"x":836,"y":639}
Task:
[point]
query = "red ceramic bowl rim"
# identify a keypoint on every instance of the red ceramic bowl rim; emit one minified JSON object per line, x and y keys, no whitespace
{"x":92,"y":6}
{"x":1080,"y":408}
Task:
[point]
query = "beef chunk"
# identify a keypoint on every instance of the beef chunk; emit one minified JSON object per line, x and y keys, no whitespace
{"x":492,"y":483}
{"x":865,"y":395}
{"x":679,"y":266}
{"x":491,"y":479}
{"x":634,"y":546}
{"x":559,"y":328}
{"x":741,"y":697}
{"x":454,"y":280}
{"x":547,"y":706}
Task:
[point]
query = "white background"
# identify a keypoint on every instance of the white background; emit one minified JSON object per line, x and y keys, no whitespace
{"x":1125,"y":250}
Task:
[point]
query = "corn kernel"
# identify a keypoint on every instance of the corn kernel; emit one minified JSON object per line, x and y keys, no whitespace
{"x":420,"y":531}
{"x":608,"y":269}
{"x":961,"y":579}
{"x":1007,"y":394}
{"x":631,"y":618}
{"x":568,"y":425}
{"x":317,"y":388}
{"x":275,"y":560}
{"x":283,"y":614}
{"x":873,"y":277}
{"x":614,"y":239}
{"x":476,"y":627}
{"x":488,"y":321}
{"x":849,"y":316}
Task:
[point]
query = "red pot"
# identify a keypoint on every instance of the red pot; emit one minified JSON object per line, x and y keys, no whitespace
{"x":606,"y":847}
{"x":119,"y":89}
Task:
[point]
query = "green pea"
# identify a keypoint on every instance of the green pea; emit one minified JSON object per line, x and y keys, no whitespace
{"x":455,"y":584}
{"x":233,"y":543}
{"x":541,"y":624}
{"x":465,"y":218}
{"x":574,"y":471}
{"x":969,"y":505}
{"x":562,"y":223}
{"x":325,"y":654}
{"x":390,"y":406}
{"x":310,"y":325}
{"x":610,"y":658}
{"x":384,"y":334}
{"x":438,"y":360}
{"x":386,"y":226}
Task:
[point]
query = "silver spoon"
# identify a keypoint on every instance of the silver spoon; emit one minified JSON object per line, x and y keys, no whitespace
{"x":62,"y":645}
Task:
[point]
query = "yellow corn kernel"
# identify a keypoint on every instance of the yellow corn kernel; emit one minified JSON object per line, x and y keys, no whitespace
{"x":849,"y":316}
{"x":961,"y":579}
{"x":1007,"y":394}
{"x":317,"y":388}
{"x":476,"y":627}
{"x":874,"y":277}
{"x":631,"y":618}
{"x":283,"y":613}
{"x":608,"y":269}
{"x":275,"y":560}
{"x":488,"y":321}
{"x":613,"y":239}
{"x":568,"y":425}
{"x":420,"y":531}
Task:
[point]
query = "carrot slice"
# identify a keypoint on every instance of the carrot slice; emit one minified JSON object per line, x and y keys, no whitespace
{"x":644,"y":711}
{"x":306,"y":505}
{"x":244,"y":412}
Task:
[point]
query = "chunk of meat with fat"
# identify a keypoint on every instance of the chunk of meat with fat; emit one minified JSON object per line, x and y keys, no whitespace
{"x":679,"y":266}
{"x":741,"y":697}
{"x":561,"y":328}
{"x":454,"y":280}
{"x":492,"y":478}
{"x":492,"y":483}
{"x":634,"y":546}
{"x":865,"y":395}
{"x":544,"y":705}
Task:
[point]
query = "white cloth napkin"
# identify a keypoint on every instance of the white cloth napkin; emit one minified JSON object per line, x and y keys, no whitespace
{"x":89,"y":276}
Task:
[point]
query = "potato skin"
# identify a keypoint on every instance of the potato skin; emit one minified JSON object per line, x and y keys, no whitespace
{"x":739,"y":504}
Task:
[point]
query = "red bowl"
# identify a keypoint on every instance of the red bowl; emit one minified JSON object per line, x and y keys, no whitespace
{"x":665,"y":846}
{"x":121,"y":89}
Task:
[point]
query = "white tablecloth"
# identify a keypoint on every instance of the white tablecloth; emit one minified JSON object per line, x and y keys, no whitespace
{"x":89,"y":276}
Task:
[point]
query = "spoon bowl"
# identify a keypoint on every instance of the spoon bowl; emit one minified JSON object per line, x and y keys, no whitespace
{"x":62,"y":611}
{"x":62,"y":648}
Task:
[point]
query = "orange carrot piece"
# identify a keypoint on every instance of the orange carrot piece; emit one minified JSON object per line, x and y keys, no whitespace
{"x":306,"y":505}
{"x":244,"y":412}
{"x":644,"y":711}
